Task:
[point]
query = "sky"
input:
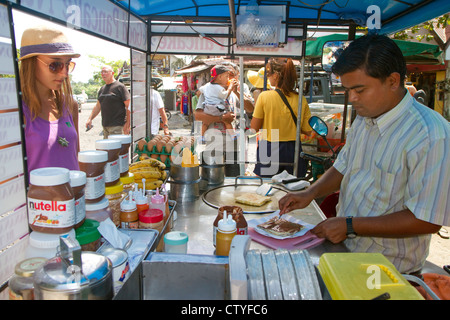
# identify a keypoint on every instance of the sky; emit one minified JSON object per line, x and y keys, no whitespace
{"x":82,"y":43}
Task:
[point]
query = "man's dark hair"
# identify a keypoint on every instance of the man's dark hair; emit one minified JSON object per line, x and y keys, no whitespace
{"x":378,"y":55}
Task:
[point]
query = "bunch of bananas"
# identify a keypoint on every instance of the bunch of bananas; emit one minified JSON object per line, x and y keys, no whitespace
{"x":152,"y":170}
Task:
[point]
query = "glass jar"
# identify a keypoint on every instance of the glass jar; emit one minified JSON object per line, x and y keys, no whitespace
{"x":99,"y":211}
{"x":88,"y":235}
{"x":78,"y":184}
{"x":153,"y":219}
{"x":21,"y":286}
{"x":115,"y":195}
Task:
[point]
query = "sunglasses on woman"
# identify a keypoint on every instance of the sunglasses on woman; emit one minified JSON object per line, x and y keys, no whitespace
{"x":58,"y":66}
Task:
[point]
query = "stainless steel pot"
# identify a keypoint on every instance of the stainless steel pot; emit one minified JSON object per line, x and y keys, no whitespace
{"x":214,"y":174}
{"x":184,"y":191}
{"x":184,"y":174}
{"x":74,"y":275}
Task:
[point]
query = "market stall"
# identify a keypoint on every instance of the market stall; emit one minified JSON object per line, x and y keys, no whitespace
{"x":166,"y":27}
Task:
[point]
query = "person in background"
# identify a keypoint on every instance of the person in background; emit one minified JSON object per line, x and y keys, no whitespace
{"x":215,"y":93}
{"x":50,"y":112}
{"x":393,"y":172}
{"x":158,"y":113}
{"x":279,"y":121}
{"x":113,"y":102}
{"x":257,"y":81}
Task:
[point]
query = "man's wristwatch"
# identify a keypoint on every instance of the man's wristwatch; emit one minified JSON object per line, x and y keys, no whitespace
{"x":351,"y":234}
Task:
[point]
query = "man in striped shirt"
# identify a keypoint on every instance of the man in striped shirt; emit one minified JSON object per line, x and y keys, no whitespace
{"x":393,"y":173}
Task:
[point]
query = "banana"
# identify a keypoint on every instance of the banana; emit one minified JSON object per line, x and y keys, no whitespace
{"x":133,"y":170}
{"x":147,"y":174}
{"x":148,"y":163}
{"x":149,"y":185}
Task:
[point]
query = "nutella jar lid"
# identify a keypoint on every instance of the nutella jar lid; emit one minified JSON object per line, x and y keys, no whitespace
{"x":77,"y":178}
{"x":102,"y":204}
{"x":95,"y":156}
{"x":108,"y":144}
{"x":123,"y":138}
{"x":50,"y":176}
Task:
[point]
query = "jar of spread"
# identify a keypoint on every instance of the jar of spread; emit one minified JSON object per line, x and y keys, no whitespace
{"x":129,"y":217}
{"x":112,"y":169}
{"x":44,"y":244}
{"x":153,"y":219}
{"x":88,"y":235}
{"x":115,"y":195}
{"x":21,"y":286}
{"x":78,"y":184}
{"x":226,"y":231}
{"x":124,"y":155}
{"x":176,"y":242}
{"x":98,"y":211}
{"x":50,"y":200}
{"x":128,"y":183}
{"x":93,"y":164}
{"x":238,"y":215}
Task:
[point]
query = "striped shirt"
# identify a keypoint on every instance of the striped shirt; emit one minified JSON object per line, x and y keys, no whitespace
{"x":397,"y":161}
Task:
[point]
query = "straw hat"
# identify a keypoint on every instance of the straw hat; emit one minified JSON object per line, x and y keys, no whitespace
{"x":43,"y":40}
{"x":256,"y":78}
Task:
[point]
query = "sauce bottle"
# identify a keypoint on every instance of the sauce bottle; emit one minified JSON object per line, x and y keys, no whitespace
{"x":225,"y":233}
{"x":129,"y":217}
{"x":158,"y":201}
{"x":238,"y":215}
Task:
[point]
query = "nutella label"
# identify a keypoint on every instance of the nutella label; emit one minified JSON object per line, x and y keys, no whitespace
{"x":95,"y":187}
{"x":80,"y":209}
{"x":112,"y":171}
{"x":51,"y":214}
{"x":123,"y":163}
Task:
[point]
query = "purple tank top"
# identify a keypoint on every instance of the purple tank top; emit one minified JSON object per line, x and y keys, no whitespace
{"x":42,"y":146}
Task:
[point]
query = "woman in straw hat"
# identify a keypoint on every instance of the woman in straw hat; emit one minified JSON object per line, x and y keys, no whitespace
{"x":278,"y":119}
{"x":256,"y":78}
{"x":50,"y":112}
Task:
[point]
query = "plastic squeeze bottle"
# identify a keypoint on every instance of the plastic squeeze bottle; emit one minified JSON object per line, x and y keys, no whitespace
{"x":225,"y":233}
{"x":129,"y":217}
{"x":158,"y":201}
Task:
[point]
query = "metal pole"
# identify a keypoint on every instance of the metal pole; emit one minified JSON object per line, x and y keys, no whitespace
{"x":300,"y":100}
{"x":241,"y":119}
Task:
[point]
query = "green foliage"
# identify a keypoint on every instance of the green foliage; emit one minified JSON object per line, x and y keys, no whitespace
{"x":439,"y":22}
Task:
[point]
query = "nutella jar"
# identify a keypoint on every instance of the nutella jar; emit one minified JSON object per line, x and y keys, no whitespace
{"x":78,"y":184}
{"x":124,"y":155}
{"x":112,"y":169}
{"x":50,"y":200}
{"x":93,"y":164}
{"x":99,"y":211}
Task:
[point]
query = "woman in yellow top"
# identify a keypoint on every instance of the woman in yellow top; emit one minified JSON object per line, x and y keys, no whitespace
{"x":276,"y":148}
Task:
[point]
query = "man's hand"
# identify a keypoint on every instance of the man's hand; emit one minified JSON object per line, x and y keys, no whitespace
{"x":294,"y":200}
{"x":88,"y":124}
{"x":228,"y":117}
{"x":332,"y":229}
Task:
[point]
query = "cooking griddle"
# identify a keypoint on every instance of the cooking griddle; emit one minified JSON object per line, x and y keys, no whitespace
{"x":225,"y":195}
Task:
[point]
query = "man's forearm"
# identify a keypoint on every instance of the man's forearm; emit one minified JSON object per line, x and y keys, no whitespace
{"x":95,"y":112}
{"x":395,"y":225}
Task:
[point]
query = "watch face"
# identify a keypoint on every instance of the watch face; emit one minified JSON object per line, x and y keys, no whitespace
{"x":351,"y":235}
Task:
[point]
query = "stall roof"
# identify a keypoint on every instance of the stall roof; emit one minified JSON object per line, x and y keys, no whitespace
{"x":396,"y":15}
{"x":414,"y":52}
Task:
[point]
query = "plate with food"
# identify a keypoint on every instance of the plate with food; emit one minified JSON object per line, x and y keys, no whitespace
{"x":277,"y":227}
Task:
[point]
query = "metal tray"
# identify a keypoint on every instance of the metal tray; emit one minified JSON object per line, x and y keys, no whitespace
{"x":225,"y":195}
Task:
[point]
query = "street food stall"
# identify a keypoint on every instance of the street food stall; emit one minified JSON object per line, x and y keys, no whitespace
{"x":191,"y":204}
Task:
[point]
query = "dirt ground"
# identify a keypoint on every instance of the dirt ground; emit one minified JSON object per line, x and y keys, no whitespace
{"x":439,"y":249}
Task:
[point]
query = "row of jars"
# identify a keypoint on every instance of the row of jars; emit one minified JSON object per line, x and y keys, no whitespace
{"x":75,"y":202}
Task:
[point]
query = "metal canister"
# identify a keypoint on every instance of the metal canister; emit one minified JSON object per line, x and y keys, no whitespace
{"x":121,"y":266}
